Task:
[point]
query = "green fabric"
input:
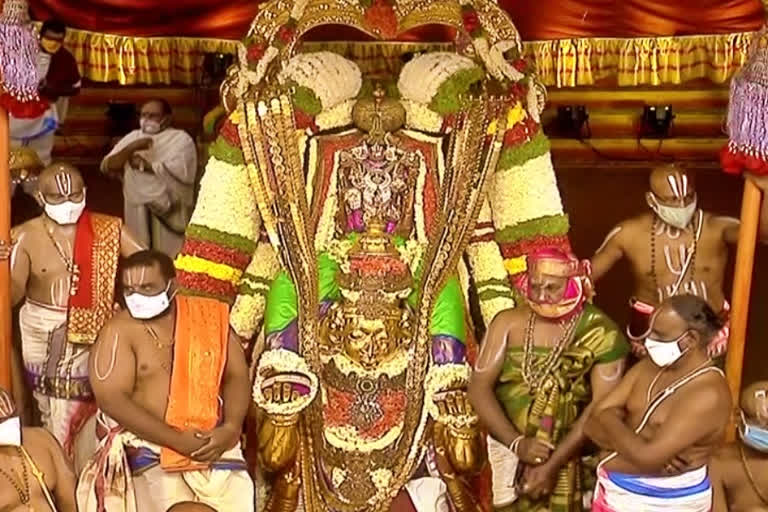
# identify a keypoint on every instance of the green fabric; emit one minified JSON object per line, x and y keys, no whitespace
{"x":226,"y":152}
{"x":549,"y":413}
{"x":552,"y":225}
{"x":282,"y":304}
{"x":518,"y":155}
{"x":448,"y":315}
{"x":282,"y":301}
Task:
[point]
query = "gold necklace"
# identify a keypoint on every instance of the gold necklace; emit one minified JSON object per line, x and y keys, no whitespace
{"x":159,"y":344}
{"x":534,"y":376}
{"x":25,"y":495}
{"x":750,"y":476}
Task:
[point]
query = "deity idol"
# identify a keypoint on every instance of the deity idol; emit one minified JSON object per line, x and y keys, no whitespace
{"x":350,"y":222}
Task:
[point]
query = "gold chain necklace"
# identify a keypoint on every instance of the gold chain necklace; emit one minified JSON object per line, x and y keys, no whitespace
{"x":751,"y":477}
{"x":159,"y":344}
{"x":69,"y":263}
{"x":25,"y":495}
{"x":534,"y":374}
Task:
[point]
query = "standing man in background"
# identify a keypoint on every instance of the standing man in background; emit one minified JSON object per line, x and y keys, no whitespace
{"x":159,"y":163}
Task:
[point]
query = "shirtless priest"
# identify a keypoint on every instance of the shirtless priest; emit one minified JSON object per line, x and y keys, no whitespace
{"x":676,"y":248}
{"x":740,"y":470}
{"x":64,"y":263}
{"x":34,"y":472}
{"x":172,"y":386}
{"x":661,"y":424}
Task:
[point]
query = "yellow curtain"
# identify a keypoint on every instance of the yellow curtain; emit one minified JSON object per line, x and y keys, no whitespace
{"x":560,"y":63}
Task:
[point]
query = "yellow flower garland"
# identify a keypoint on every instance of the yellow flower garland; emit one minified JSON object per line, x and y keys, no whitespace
{"x":219,"y":271}
{"x":516,"y":265}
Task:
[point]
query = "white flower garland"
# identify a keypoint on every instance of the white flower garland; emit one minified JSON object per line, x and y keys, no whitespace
{"x":326,"y":226}
{"x":246,"y":314}
{"x":330,"y":76}
{"x":336,"y":117}
{"x":421,"y":77}
{"x":226,"y":184}
{"x":283,"y":361}
{"x":525,"y":192}
{"x":419,"y":116}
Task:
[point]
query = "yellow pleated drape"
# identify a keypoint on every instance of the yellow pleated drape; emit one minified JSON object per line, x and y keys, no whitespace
{"x":560,"y":63}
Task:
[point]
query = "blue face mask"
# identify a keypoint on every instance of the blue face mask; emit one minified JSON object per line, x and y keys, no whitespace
{"x":753,"y":436}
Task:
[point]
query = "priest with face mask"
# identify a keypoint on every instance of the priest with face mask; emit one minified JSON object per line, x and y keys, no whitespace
{"x":158,"y":166}
{"x":676,"y":247}
{"x":63,"y":268}
{"x":172,"y":387}
{"x":660,"y":425}
{"x":540,"y":367}
{"x":740,"y":469}
{"x":34,"y":473}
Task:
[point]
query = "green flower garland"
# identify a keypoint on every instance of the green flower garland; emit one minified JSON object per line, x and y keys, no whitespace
{"x":449,"y":97}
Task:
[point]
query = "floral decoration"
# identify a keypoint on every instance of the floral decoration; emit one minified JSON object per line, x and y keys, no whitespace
{"x":277,"y":361}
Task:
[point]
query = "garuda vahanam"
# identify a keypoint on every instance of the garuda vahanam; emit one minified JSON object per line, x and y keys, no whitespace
{"x":353,"y":219}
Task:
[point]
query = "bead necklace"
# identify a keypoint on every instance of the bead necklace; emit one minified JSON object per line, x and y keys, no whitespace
{"x":25,"y":495}
{"x":751,"y":477}
{"x":534,"y":374}
{"x":691,"y":267}
{"x":69,"y":263}
{"x":159,"y":344}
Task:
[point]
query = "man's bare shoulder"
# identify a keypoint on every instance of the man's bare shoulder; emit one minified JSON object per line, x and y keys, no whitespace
{"x":30,"y":227}
{"x":120,"y":323}
{"x":38,"y":440}
{"x":708,"y":394}
{"x":713,"y":221}
{"x":638,"y":224}
{"x":513,"y":316}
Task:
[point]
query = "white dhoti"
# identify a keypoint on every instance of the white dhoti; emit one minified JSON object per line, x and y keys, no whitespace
{"x":57,"y":372}
{"x":37,"y":133}
{"x":133,"y":467}
{"x":617,"y":492}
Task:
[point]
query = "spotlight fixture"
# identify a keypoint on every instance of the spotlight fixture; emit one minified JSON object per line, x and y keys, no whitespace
{"x":656,"y":121}
{"x":572,"y":122}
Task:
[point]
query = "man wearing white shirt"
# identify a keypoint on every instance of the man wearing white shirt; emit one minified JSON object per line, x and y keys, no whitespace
{"x":160,"y":165}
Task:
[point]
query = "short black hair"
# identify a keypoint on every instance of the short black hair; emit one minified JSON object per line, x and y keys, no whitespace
{"x":53,"y":25}
{"x":149,"y":257}
{"x":167,"y":110}
{"x":698,"y":314}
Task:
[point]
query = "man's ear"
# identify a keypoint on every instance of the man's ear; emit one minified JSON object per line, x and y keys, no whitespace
{"x":693,"y":339}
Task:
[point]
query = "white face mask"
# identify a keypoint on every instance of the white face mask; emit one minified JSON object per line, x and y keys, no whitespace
{"x":10,"y":432}
{"x":150,"y":127}
{"x":664,"y":353}
{"x":676,"y":216}
{"x":66,"y":212}
{"x":144,"y":307}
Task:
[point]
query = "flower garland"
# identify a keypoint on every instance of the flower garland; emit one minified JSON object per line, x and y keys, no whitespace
{"x":227,"y":184}
{"x":421,"y":180}
{"x":336,"y":117}
{"x":547,"y":226}
{"x":419,"y":116}
{"x":451,"y":93}
{"x":521,"y":145}
{"x":220,"y":271}
{"x":490,"y":274}
{"x":246,"y":314}
{"x":421,"y":78}
{"x":279,"y":361}
{"x":327,"y":78}
{"x":516,"y":265}
{"x":489,"y":308}
{"x":526,"y":192}
{"x":390,"y":368}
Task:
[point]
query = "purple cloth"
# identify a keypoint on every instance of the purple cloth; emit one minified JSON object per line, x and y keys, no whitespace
{"x":447,"y":349}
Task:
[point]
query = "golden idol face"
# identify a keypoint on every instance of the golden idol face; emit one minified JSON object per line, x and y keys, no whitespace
{"x":368,"y":341}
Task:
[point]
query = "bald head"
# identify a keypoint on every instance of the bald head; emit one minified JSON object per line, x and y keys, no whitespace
{"x":754,"y":402}
{"x":61,"y":182}
{"x":7,"y":405}
{"x":672,"y":185}
{"x":189,"y":506}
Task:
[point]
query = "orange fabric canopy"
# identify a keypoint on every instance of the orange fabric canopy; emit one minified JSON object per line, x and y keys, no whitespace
{"x":539,"y":20}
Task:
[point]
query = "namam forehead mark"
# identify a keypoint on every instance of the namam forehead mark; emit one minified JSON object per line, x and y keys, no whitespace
{"x":62,"y":178}
{"x":136,"y":275}
{"x":754,"y":400}
{"x":670,"y":182}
